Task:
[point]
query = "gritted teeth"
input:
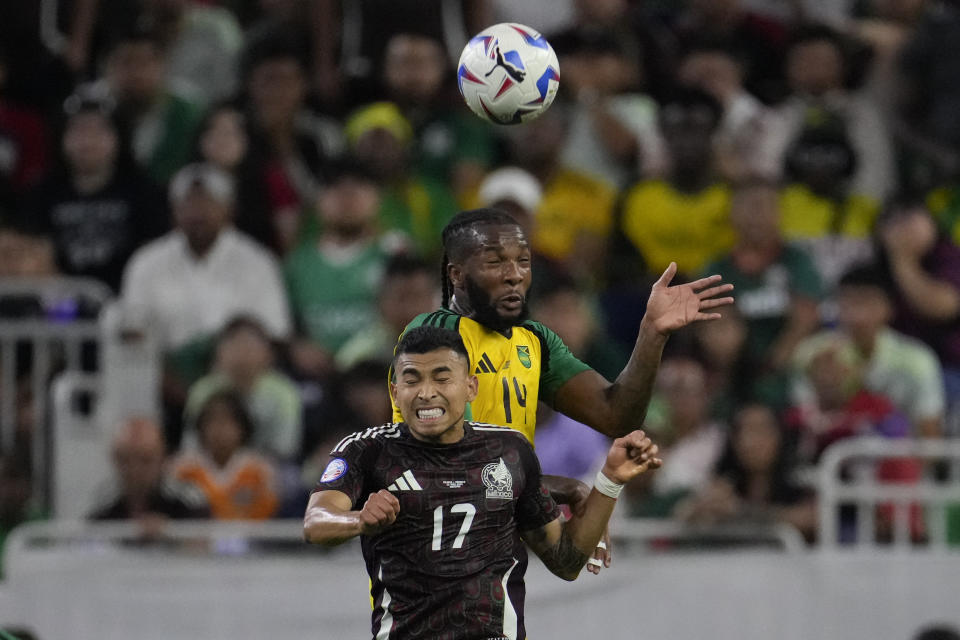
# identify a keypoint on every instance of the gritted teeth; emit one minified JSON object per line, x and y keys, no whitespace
{"x":427,"y":414}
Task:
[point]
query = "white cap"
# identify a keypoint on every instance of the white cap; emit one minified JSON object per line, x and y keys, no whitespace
{"x":216,"y":182}
{"x":513,"y":184}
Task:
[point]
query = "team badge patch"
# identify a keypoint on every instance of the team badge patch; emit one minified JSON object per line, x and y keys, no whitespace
{"x":496,"y":476}
{"x":335,"y":469}
{"x":523,"y":353}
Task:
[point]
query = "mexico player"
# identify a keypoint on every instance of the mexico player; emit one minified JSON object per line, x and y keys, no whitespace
{"x":486,"y":275}
{"x":443,"y":505}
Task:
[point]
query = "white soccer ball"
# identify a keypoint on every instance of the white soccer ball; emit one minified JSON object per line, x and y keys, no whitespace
{"x":508,"y":74}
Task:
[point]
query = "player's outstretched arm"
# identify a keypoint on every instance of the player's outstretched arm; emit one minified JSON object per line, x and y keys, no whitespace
{"x":613,"y":408}
{"x":330,"y":521}
{"x":565,"y":548}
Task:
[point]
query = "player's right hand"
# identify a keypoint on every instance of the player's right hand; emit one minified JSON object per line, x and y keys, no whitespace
{"x":630,"y":456}
{"x":378,"y":512}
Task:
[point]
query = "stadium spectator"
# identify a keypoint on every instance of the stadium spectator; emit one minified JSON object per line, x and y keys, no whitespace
{"x":633,"y":29}
{"x":204,"y":272}
{"x":290,"y":145}
{"x":187,"y":284}
{"x":753,"y":480}
{"x":612,"y":124}
{"x":759,"y":40}
{"x":97,"y":208}
{"x":841,"y":406}
{"x":450,"y":144}
{"x":363,"y":29}
{"x":777,"y":285}
{"x":238,"y":483}
{"x":332,"y":280}
{"x":23,"y":254}
{"x":245,"y":363}
{"x":575,"y":210}
{"x":721,"y":347}
{"x":408,"y":288}
{"x":819,"y":210}
{"x":750,"y":133}
{"x":679,"y":420}
{"x":413,"y":203}
{"x":569,"y":311}
{"x":144,"y":491}
{"x":819,"y":72}
{"x":224,"y":140}
{"x":683,"y":217}
{"x":162,"y":123}
{"x":894,"y":365}
{"x":202,"y":45}
{"x":924,"y":269}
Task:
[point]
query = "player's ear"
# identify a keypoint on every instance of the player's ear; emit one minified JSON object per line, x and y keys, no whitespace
{"x":393,"y":391}
{"x":473,"y":386}
{"x":455,"y":273}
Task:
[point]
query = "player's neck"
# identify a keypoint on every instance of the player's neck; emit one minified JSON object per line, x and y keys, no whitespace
{"x":461,"y":304}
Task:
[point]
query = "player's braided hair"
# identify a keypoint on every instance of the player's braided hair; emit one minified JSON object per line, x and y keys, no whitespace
{"x":457,"y":238}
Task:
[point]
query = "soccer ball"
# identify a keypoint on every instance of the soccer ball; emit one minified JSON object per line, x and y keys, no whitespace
{"x":508,"y":74}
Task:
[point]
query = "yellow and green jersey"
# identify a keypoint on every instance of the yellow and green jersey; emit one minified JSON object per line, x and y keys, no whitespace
{"x":514,"y":371}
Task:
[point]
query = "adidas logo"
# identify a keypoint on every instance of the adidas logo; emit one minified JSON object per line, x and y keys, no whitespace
{"x":405,"y":482}
{"x":485,"y":365}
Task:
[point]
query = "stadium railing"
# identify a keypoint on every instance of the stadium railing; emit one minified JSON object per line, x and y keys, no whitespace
{"x":88,"y":407}
{"x":43,"y":329}
{"x":847,"y":479}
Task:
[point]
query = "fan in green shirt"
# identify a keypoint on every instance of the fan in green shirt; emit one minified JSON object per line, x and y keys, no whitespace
{"x":332,"y":281}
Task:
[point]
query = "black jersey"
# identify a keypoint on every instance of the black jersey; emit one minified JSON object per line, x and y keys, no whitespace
{"x":451,"y":567}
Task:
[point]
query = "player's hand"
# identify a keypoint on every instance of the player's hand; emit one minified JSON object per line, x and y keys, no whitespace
{"x":378,"y":512}
{"x":671,"y":308}
{"x":601,"y":555}
{"x":630,"y":456}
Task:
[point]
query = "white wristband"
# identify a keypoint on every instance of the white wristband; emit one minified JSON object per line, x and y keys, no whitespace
{"x":606,"y":486}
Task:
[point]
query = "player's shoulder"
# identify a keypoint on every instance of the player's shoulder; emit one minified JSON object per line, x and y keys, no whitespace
{"x":367,"y":438}
{"x":543,"y":333}
{"x":487,"y":430}
{"x":443,"y":318}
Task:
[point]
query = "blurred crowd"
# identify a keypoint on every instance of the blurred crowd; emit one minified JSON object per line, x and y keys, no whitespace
{"x":263,"y":184}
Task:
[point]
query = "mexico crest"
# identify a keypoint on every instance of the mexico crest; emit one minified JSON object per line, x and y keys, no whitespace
{"x":496,"y":477}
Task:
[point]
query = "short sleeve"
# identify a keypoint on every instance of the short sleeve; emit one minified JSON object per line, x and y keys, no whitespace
{"x":929,"y":400}
{"x":344,"y":470}
{"x":558,"y":363}
{"x":535,"y":508}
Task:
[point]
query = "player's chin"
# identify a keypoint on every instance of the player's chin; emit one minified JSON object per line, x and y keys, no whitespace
{"x":510,"y":312}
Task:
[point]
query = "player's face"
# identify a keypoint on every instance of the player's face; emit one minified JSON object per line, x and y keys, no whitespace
{"x":432,"y":391}
{"x":497,"y":276}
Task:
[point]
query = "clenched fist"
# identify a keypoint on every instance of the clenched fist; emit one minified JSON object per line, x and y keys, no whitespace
{"x":378,"y":512}
{"x":630,"y":456}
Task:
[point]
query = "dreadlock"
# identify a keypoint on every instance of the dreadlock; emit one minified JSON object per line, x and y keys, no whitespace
{"x":456,"y":239}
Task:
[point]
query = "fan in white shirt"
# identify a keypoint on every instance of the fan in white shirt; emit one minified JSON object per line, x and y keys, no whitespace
{"x":187,"y":284}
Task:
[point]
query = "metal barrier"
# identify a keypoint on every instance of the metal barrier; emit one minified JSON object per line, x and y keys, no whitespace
{"x":52,"y":340}
{"x":127,"y":384}
{"x":863,"y":491}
